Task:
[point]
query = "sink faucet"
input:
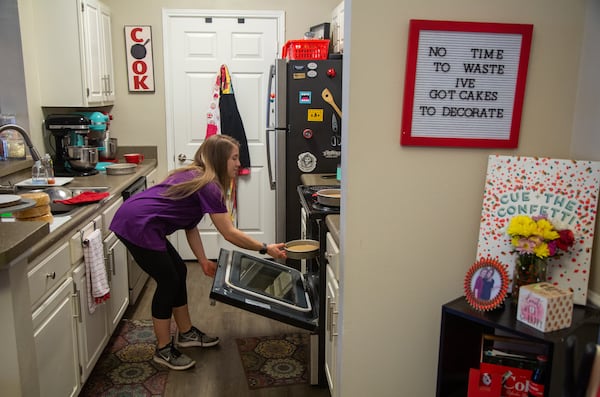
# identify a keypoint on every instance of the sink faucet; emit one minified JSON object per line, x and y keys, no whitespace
{"x":34,"y":153}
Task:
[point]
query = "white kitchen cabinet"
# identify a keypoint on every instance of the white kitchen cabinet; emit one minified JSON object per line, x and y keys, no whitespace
{"x":48,"y":273}
{"x":331,"y":329}
{"x":74,"y":53}
{"x":92,"y":328}
{"x":151,"y":178}
{"x":116,"y":268}
{"x":332,"y":254}
{"x":108,"y":214}
{"x":337,"y":28}
{"x":55,"y":338}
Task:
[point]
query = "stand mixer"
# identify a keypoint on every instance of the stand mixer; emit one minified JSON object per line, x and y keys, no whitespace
{"x":74,"y":156}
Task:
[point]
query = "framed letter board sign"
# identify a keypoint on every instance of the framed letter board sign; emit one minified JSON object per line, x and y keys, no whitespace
{"x":465,"y":83}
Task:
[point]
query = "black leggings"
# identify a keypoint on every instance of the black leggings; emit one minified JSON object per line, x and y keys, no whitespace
{"x":169,"y":271}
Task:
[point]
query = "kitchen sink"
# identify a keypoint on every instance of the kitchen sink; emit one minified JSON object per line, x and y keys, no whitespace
{"x":65,"y":209}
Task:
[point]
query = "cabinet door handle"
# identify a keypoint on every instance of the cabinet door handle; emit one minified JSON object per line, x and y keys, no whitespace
{"x":51,"y":275}
{"x":329,"y":325}
{"x":110,"y":264}
{"x":334,"y":322}
{"x":77,"y":305}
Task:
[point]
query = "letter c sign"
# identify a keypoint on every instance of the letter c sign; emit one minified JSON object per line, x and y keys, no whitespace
{"x":140,"y":68}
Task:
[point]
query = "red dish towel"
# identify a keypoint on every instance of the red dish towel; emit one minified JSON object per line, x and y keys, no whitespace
{"x":85,"y":197}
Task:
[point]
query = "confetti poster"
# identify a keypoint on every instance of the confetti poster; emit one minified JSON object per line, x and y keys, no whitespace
{"x":565,"y":190}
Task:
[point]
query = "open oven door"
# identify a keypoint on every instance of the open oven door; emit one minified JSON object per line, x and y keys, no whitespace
{"x":267,"y":288}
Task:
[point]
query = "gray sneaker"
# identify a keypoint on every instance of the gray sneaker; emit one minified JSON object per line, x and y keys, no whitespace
{"x":172,"y":358}
{"x":195,"y":337}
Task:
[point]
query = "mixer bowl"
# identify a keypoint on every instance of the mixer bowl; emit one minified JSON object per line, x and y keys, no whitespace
{"x":82,"y":158}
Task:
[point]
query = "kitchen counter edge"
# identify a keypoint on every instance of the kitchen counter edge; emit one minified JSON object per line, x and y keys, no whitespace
{"x":16,"y":238}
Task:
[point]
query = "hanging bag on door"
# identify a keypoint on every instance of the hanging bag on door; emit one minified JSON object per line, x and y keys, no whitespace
{"x":231,"y":121}
{"x":213,"y":116}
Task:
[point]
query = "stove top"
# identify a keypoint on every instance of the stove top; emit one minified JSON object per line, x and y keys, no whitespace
{"x":309,"y":202}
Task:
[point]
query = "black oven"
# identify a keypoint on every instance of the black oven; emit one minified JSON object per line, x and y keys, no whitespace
{"x":281,"y":291}
{"x":137,"y":277}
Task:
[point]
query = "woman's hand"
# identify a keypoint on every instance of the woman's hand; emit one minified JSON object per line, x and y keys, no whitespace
{"x":208,"y":267}
{"x":277,"y":250}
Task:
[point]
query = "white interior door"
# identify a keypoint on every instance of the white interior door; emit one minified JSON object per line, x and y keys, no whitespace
{"x":197,"y":43}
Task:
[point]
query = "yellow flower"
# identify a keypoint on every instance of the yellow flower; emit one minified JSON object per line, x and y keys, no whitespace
{"x":542,"y":251}
{"x":546,"y":230}
{"x":522,"y":225}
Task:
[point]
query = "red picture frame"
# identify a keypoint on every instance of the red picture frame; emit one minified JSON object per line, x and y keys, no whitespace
{"x":475,"y":284}
{"x":465,"y":83}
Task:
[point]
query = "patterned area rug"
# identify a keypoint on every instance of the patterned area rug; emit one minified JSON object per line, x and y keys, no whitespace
{"x":271,"y":361}
{"x":125,"y":368}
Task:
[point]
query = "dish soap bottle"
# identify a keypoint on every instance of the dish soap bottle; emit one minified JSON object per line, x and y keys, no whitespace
{"x":38,"y":173}
{"x":49,"y":166}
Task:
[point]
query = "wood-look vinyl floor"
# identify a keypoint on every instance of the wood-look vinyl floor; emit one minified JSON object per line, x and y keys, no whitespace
{"x":218,"y":371}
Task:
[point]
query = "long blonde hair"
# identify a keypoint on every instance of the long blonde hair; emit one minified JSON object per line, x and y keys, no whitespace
{"x":210,"y":162}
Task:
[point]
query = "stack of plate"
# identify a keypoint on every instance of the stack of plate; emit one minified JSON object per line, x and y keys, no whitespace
{"x":12,"y":202}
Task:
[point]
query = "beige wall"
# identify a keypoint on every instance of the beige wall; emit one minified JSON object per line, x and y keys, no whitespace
{"x":141,"y":117}
{"x":411,"y":215}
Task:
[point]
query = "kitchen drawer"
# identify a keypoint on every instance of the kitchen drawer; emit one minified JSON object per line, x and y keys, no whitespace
{"x":332,"y":253}
{"x":108,"y":215}
{"x":44,"y":276}
{"x":77,"y":239}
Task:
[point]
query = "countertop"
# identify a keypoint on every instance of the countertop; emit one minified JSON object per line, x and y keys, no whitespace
{"x":333,"y":225}
{"x":319,"y":179}
{"x":33,"y":238}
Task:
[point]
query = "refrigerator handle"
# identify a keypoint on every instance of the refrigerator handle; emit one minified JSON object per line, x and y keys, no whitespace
{"x":269,"y":168}
{"x":269,"y":88}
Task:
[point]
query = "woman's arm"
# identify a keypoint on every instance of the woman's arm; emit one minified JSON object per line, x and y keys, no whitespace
{"x":193,"y":237}
{"x":236,"y":237}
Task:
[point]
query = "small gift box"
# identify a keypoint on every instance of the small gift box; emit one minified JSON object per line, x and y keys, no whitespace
{"x":545,"y":307}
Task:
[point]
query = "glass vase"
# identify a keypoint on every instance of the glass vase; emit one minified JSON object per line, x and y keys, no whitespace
{"x":529,"y":269}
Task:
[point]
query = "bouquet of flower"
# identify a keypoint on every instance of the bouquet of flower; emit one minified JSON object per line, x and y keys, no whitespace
{"x":538,"y":236}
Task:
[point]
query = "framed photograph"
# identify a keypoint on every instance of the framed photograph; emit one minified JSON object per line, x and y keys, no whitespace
{"x":486,"y":284}
{"x":464,"y":83}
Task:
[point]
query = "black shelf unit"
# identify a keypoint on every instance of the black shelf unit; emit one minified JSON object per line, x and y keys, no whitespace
{"x":460,"y":342}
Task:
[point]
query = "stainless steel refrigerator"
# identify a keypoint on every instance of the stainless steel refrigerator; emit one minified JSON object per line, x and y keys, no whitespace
{"x":303,"y":131}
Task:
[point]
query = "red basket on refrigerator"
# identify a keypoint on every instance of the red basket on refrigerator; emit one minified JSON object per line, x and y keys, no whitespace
{"x":306,"y":49}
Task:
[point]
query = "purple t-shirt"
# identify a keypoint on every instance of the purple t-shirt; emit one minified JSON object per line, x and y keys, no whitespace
{"x":148,"y":217}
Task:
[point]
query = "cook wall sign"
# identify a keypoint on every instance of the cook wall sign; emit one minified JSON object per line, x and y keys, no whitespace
{"x":140,"y":66}
{"x":465,"y":83}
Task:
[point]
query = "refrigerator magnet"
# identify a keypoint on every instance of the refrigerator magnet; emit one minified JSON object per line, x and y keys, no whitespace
{"x":305,"y":97}
{"x":307,"y":162}
{"x":314,"y":115}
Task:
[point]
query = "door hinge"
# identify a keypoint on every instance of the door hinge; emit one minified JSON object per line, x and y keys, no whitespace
{"x":82,"y":5}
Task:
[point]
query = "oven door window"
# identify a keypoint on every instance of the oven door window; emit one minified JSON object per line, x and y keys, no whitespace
{"x":265,"y":287}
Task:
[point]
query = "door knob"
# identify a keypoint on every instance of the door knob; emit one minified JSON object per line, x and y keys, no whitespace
{"x":183,"y":158}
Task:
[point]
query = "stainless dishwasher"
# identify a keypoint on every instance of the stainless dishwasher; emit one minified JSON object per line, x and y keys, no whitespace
{"x":137,"y":277}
